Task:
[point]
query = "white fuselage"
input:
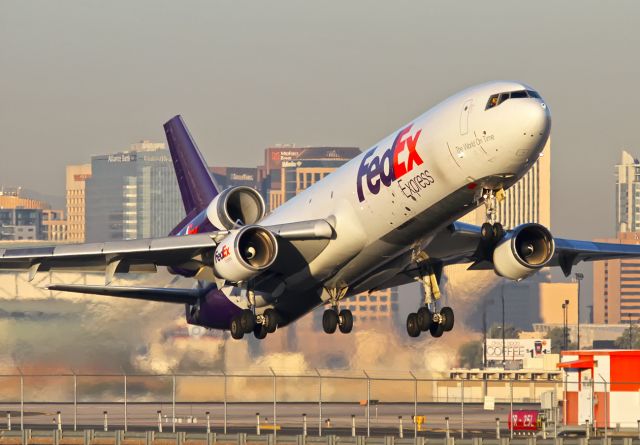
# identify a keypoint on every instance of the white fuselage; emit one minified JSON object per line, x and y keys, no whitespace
{"x":395,"y":195}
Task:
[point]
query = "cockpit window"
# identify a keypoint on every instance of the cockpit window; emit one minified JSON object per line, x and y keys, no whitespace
{"x":497,"y":99}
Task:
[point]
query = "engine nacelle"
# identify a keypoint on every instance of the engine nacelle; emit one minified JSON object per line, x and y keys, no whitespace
{"x":245,"y":253}
{"x":236,"y":206}
{"x":523,"y":251}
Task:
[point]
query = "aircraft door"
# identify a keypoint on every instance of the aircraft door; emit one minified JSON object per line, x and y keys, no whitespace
{"x":464,"y":116}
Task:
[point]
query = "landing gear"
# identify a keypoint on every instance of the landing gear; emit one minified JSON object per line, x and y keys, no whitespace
{"x":492,"y":231}
{"x":247,"y":320}
{"x":427,"y":318}
{"x":270,"y":320}
{"x":334,"y":318}
{"x":260,"y":331}
{"x":237,"y":331}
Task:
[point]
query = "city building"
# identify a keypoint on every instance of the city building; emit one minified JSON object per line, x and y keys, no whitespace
{"x":590,"y":334}
{"x":10,"y":198}
{"x":226,"y":177}
{"x":132,"y":194}
{"x":18,"y":224}
{"x":288,"y":169}
{"x":54,"y":226}
{"x":628,"y":194}
{"x":76,"y":180}
{"x":616,"y":285}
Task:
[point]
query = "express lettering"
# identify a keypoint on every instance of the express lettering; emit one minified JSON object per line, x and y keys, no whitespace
{"x":225,"y":252}
{"x":394,"y":163}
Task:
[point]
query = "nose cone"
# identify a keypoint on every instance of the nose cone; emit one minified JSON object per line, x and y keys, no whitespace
{"x":529,"y":130}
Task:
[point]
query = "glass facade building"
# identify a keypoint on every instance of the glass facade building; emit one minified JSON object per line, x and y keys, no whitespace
{"x":132,"y":194}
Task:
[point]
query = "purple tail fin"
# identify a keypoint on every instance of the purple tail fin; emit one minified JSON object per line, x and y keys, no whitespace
{"x":196,"y":184}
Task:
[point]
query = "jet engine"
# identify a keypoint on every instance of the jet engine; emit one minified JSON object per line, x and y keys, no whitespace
{"x":245,"y":253}
{"x":236,"y":206}
{"x":523,"y":251}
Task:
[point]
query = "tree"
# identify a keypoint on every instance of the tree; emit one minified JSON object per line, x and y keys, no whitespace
{"x":556,"y":335}
{"x":470,"y":354}
{"x":622,"y":342}
{"x":510,"y":331}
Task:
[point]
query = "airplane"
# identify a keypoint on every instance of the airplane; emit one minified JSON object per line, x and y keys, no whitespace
{"x":386,"y":218}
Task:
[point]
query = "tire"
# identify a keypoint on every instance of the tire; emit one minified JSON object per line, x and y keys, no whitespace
{"x":498,"y":232}
{"x":447,"y":313}
{"x":260,"y":331}
{"x":486,"y":232}
{"x":412,"y":325}
{"x":425,"y":318}
{"x":237,"y":332}
{"x":436,"y":329}
{"x":247,"y":320}
{"x":272,"y":320}
{"x":329,"y":321}
{"x":346,"y":317}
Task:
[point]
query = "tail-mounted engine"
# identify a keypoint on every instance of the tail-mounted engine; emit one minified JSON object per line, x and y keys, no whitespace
{"x":245,"y":253}
{"x":236,"y":206}
{"x":523,"y":251}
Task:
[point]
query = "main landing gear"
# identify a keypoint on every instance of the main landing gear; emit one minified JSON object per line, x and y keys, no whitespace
{"x":335,"y":318}
{"x":427,"y":318}
{"x":492,"y":231}
{"x":247,"y":321}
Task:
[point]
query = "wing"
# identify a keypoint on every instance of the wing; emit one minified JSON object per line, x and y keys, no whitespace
{"x":144,"y":255}
{"x":462,"y":243}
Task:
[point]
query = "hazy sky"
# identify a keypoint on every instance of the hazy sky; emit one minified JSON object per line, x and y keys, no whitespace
{"x":83,"y":77}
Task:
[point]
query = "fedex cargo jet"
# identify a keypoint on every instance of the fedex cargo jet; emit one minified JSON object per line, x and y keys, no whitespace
{"x":386,"y":218}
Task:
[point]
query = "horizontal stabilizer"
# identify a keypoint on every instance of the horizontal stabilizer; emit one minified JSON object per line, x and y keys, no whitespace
{"x":161,"y":294}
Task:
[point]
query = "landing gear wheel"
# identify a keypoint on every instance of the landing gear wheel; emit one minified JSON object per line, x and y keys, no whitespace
{"x":498,"y":231}
{"x":260,"y":331}
{"x":436,"y":329}
{"x":345,"y":318}
{"x":424,"y":318}
{"x":271,"y":316}
{"x":486,"y":232}
{"x":447,"y":313}
{"x":330,"y":321}
{"x":236,"y":328}
{"x":247,"y":320}
{"x":412,"y":325}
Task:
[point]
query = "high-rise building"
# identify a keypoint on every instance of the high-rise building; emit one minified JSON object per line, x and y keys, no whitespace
{"x":616,"y":286}
{"x":288,"y":169}
{"x":628,"y":194}
{"x":76,"y":181}
{"x":226,"y":177}
{"x":132,"y":194}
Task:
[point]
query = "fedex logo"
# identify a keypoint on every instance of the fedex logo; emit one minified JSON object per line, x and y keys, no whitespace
{"x":394,"y":163}
{"x":221,"y":254}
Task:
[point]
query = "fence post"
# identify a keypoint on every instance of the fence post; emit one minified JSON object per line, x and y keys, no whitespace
{"x":275,"y":406}
{"x":304,"y":424}
{"x":208,"y":422}
{"x":461,"y":409}
{"x":415,"y":406}
{"x":59,"y":420}
{"x":159,"y":421}
{"x":106,"y":421}
{"x":638,"y":428}
{"x":368,"y":404}
{"x":125,"y":403}
{"x":225,"y":401}
{"x":498,"y":428}
{"x":587,"y":429}
{"x":173,"y":404}
{"x":319,"y":403}
{"x":21,"y":401}
{"x":511,"y":409}
{"x":400,"y":431}
{"x":258,"y":424}
{"x":9,"y":421}
{"x":75,"y":402}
